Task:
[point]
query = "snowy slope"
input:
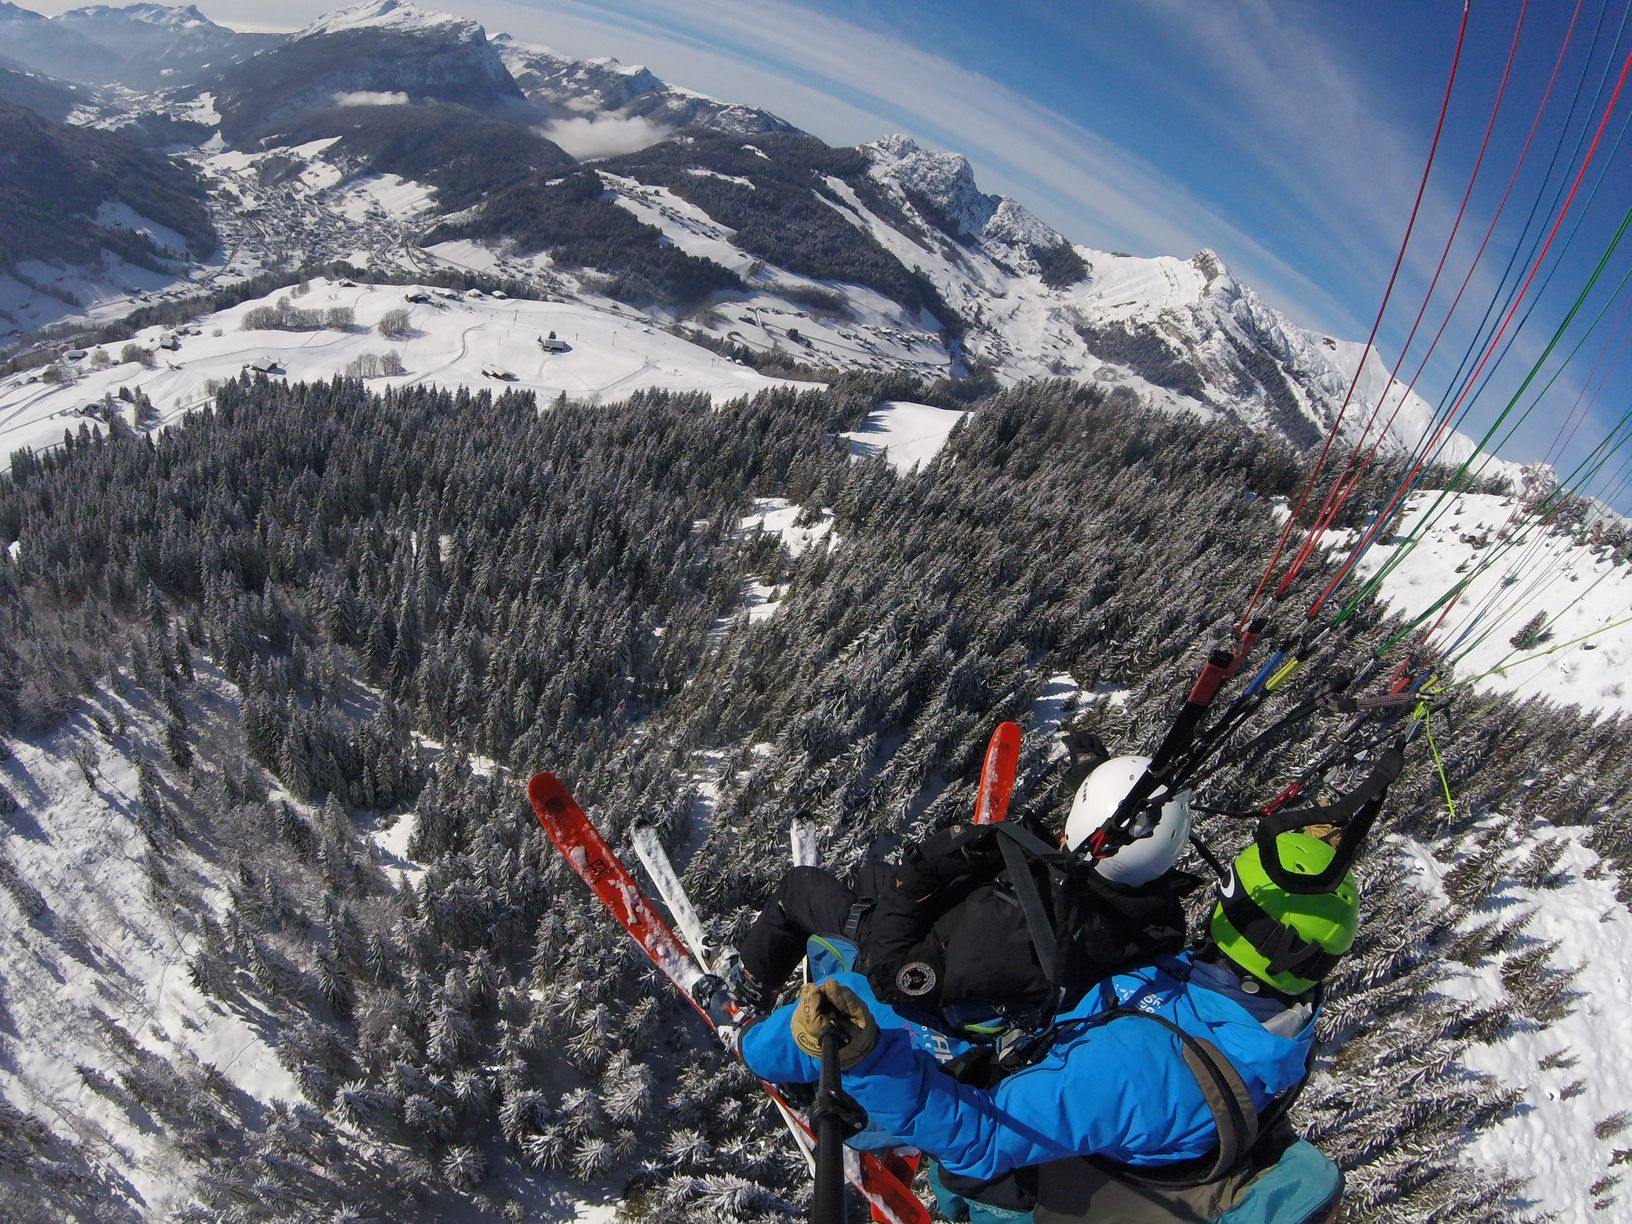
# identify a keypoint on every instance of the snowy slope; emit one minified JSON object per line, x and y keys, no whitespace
{"x":37,"y":294}
{"x":1539,"y":570}
{"x":864,"y":329}
{"x":1575,"y":1072}
{"x":455,"y":341}
{"x":104,"y":946}
{"x":781,"y":518}
{"x":95,"y":988}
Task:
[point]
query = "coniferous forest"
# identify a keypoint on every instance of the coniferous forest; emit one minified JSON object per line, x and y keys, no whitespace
{"x":417,"y":598}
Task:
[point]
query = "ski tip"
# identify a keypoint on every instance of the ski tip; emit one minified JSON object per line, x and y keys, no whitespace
{"x":547,"y":794}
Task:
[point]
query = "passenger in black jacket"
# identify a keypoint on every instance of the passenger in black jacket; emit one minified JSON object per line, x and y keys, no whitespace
{"x":947,"y":927}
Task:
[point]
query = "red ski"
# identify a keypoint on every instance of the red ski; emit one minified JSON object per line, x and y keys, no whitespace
{"x":582,"y":845}
{"x":997,"y":774}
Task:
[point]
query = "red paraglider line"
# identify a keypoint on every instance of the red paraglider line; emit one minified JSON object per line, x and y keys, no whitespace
{"x":1342,"y":484}
{"x":1451,"y":416}
{"x":1331,"y":434}
{"x":1490,"y":229}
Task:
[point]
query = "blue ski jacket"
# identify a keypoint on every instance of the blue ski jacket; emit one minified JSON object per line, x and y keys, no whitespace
{"x":1120,"y":1089}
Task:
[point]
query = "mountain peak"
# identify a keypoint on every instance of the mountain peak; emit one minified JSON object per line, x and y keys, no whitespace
{"x":1212,"y":268}
{"x":401,"y":16}
{"x":946,"y":181}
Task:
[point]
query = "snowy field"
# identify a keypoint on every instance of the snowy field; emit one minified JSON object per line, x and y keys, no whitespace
{"x":454,"y":340}
{"x":908,"y":435}
{"x":781,"y":518}
{"x":1544,"y":571}
{"x":48,"y":293}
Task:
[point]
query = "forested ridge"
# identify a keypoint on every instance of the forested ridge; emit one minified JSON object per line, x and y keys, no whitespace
{"x":54,"y":177}
{"x":421,"y":597}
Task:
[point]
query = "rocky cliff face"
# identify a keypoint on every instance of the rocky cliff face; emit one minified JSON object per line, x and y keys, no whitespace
{"x":386,"y":50}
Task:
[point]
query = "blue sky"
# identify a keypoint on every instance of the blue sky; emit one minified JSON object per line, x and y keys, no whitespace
{"x":1289,"y":137}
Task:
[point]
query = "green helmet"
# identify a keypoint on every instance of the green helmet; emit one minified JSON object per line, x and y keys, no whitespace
{"x":1277,"y":933}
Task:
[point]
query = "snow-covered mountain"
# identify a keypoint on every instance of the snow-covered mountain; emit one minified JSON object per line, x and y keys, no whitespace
{"x":605,"y":90}
{"x":885,"y":257}
{"x":163,"y":45}
{"x":382,"y":51}
{"x":138,"y":46}
{"x":721,"y":217}
{"x":44,"y":95}
{"x":1185,"y":331}
{"x":35,"y":41}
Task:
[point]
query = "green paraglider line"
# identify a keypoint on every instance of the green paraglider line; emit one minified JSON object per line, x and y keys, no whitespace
{"x":1504,"y":667}
{"x":1427,"y":716}
{"x":1437,"y":508}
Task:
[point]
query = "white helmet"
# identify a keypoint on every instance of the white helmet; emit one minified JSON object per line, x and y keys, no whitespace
{"x":1096,"y":802}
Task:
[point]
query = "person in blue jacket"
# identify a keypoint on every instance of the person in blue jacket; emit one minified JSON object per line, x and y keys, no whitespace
{"x":1117,"y":1086}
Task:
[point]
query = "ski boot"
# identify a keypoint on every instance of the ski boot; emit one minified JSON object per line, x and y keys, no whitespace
{"x":751,"y":994}
{"x":732,"y":995}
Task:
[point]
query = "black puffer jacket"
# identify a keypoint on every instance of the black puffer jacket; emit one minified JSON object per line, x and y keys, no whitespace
{"x":950,"y":928}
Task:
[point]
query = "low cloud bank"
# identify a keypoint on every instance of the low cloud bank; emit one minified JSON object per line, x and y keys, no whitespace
{"x":365,"y":97}
{"x":604,"y":135}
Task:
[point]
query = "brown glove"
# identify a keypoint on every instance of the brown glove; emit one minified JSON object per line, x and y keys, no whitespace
{"x":833,"y":999}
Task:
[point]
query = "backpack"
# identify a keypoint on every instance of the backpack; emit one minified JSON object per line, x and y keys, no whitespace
{"x":993,"y":914}
{"x":1262,"y":1172}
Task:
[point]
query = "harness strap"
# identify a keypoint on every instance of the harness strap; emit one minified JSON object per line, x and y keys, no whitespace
{"x":1038,"y":926}
{"x":852,"y":919}
{"x":1354,"y":813}
{"x":1235,"y":1117}
{"x":1285,"y":949}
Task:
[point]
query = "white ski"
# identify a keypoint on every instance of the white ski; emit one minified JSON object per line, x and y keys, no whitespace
{"x":666,"y":880}
{"x":805,"y":843}
{"x":655,"y":859}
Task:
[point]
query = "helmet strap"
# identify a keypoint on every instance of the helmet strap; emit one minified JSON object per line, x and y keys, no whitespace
{"x":1251,"y":985}
{"x":1284,"y":949}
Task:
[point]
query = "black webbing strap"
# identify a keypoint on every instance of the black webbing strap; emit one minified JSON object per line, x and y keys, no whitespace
{"x":1353,"y":813}
{"x":1018,"y":848}
{"x":852,"y":918}
{"x":1195,"y":768}
{"x":1281,"y":945}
